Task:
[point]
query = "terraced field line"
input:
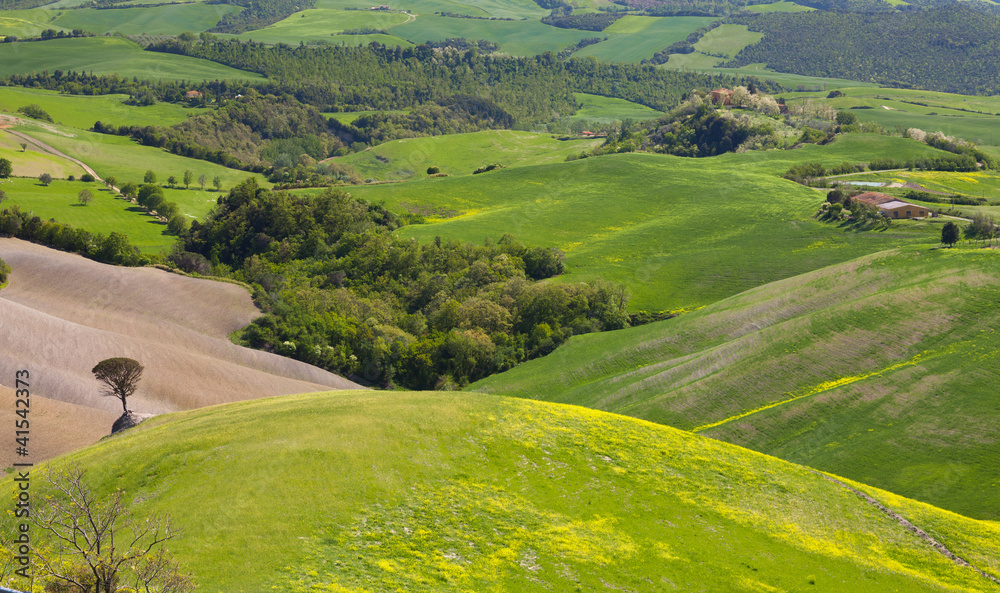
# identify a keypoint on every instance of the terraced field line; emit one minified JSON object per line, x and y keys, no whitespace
{"x":822,"y":387}
{"x":910,"y":527}
{"x":55,"y":152}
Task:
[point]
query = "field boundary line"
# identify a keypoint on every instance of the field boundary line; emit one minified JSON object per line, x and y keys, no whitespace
{"x":46,"y":148}
{"x":822,"y":387}
{"x":941,"y":548}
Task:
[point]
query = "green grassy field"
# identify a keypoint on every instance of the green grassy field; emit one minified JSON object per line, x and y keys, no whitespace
{"x":783,"y":6}
{"x":363,"y":491}
{"x":128,"y":161}
{"x":322,"y":24}
{"x":680,"y":233}
{"x":103,"y":215}
{"x":727,"y":40}
{"x":635,"y":38}
{"x":698,"y":62}
{"x":31,"y":163}
{"x":515,"y":9}
{"x":157,"y":20}
{"x":519,"y":38}
{"x":81,"y":111}
{"x":879,"y":369}
{"x":461,"y":154}
{"x":347,"y":117}
{"x":26,"y":23}
{"x":976,"y":119}
{"x":605,"y":110}
{"x":109,"y":55}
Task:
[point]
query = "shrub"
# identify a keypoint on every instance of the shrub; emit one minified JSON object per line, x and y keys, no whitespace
{"x":87,"y":177}
{"x":34,"y":112}
{"x":4,"y":271}
{"x":490,"y":167}
{"x":433,"y":170}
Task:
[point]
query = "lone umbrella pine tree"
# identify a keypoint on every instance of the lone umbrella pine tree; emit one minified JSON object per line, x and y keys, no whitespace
{"x":120,"y":377}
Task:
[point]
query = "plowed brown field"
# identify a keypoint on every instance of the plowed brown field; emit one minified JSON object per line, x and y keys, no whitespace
{"x":62,"y":313}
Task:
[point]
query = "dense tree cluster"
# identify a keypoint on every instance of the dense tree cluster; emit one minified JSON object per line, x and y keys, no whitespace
{"x":949,"y":48}
{"x":590,"y":21}
{"x":342,"y":292}
{"x":257,"y":15}
{"x":381,"y":78}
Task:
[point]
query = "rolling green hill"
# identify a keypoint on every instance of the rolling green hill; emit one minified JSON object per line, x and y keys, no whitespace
{"x":363,"y":491}
{"x":156,"y":20}
{"x":104,"y":215}
{"x":127,"y":161}
{"x":109,"y":55}
{"x":679,"y":232}
{"x":635,"y":38}
{"x":323,"y":24}
{"x":605,"y":110}
{"x":81,"y":111}
{"x":460,"y":154}
{"x":27,"y":23}
{"x":881,"y":369}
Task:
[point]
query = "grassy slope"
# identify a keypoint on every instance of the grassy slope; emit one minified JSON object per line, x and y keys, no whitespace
{"x":81,"y":111}
{"x":26,"y":23}
{"x":460,"y":154}
{"x":634,"y":38}
{"x":778,"y":7}
{"x":519,"y":38}
{"x":322,"y":24}
{"x":604,"y":110}
{"x":942,"y":112}
{"x":103,"y":215}
{"x":460,"y":492}
{"x":109,"y":55}
{"x":157,"y":20}
{"x":31,"y":163}
{"x":679,"y":232}
{"x":128,"y":161}
{"x":883,"y":367}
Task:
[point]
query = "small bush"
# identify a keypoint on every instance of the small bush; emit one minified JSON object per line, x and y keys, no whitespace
{"x":87,"y":177}
{"x":433,"y":170}
{"x":486,"y":168}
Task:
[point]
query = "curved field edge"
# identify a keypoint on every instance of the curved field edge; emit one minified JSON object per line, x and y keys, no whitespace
{"x":880,"y":369}
{"x":363,"y":491}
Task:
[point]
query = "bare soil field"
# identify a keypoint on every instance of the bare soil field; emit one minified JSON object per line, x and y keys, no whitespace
{"x":61,"y":314}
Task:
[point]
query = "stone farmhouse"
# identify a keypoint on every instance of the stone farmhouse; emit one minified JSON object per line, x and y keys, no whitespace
{"x":893,"y":207}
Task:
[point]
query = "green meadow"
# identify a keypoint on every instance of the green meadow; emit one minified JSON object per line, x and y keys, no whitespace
{"x":156,"y":20}
{"x":783,"y":6}
{"x":367,"y":491}
{"x":103,"y":215}
{"x":26,"y":23}
{"x":680,"y":233}
{"x":81,"y":111}
{"x":605,"y":110}
{"x":461,"y":154}
{"x":519,"y":38}
{"x":109,"y":55}
{"x":323,"y":24}
{"x":128,"y":161}
{"x":879,"y":369}
{"x":976,"y":119}
{"x":347,"y":117}
{"x":635,"y":38}
{"x":727,"y":40}
{"x":31,"y":163}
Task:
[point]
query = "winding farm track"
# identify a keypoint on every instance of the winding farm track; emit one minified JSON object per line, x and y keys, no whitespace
{"x":62,"y":313}
{"x":46,"y":148}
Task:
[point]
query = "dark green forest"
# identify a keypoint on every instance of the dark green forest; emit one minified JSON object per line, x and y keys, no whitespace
{"x":341,"y":292}
{"x":951,"y":48}
{"x":375,"y":77}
